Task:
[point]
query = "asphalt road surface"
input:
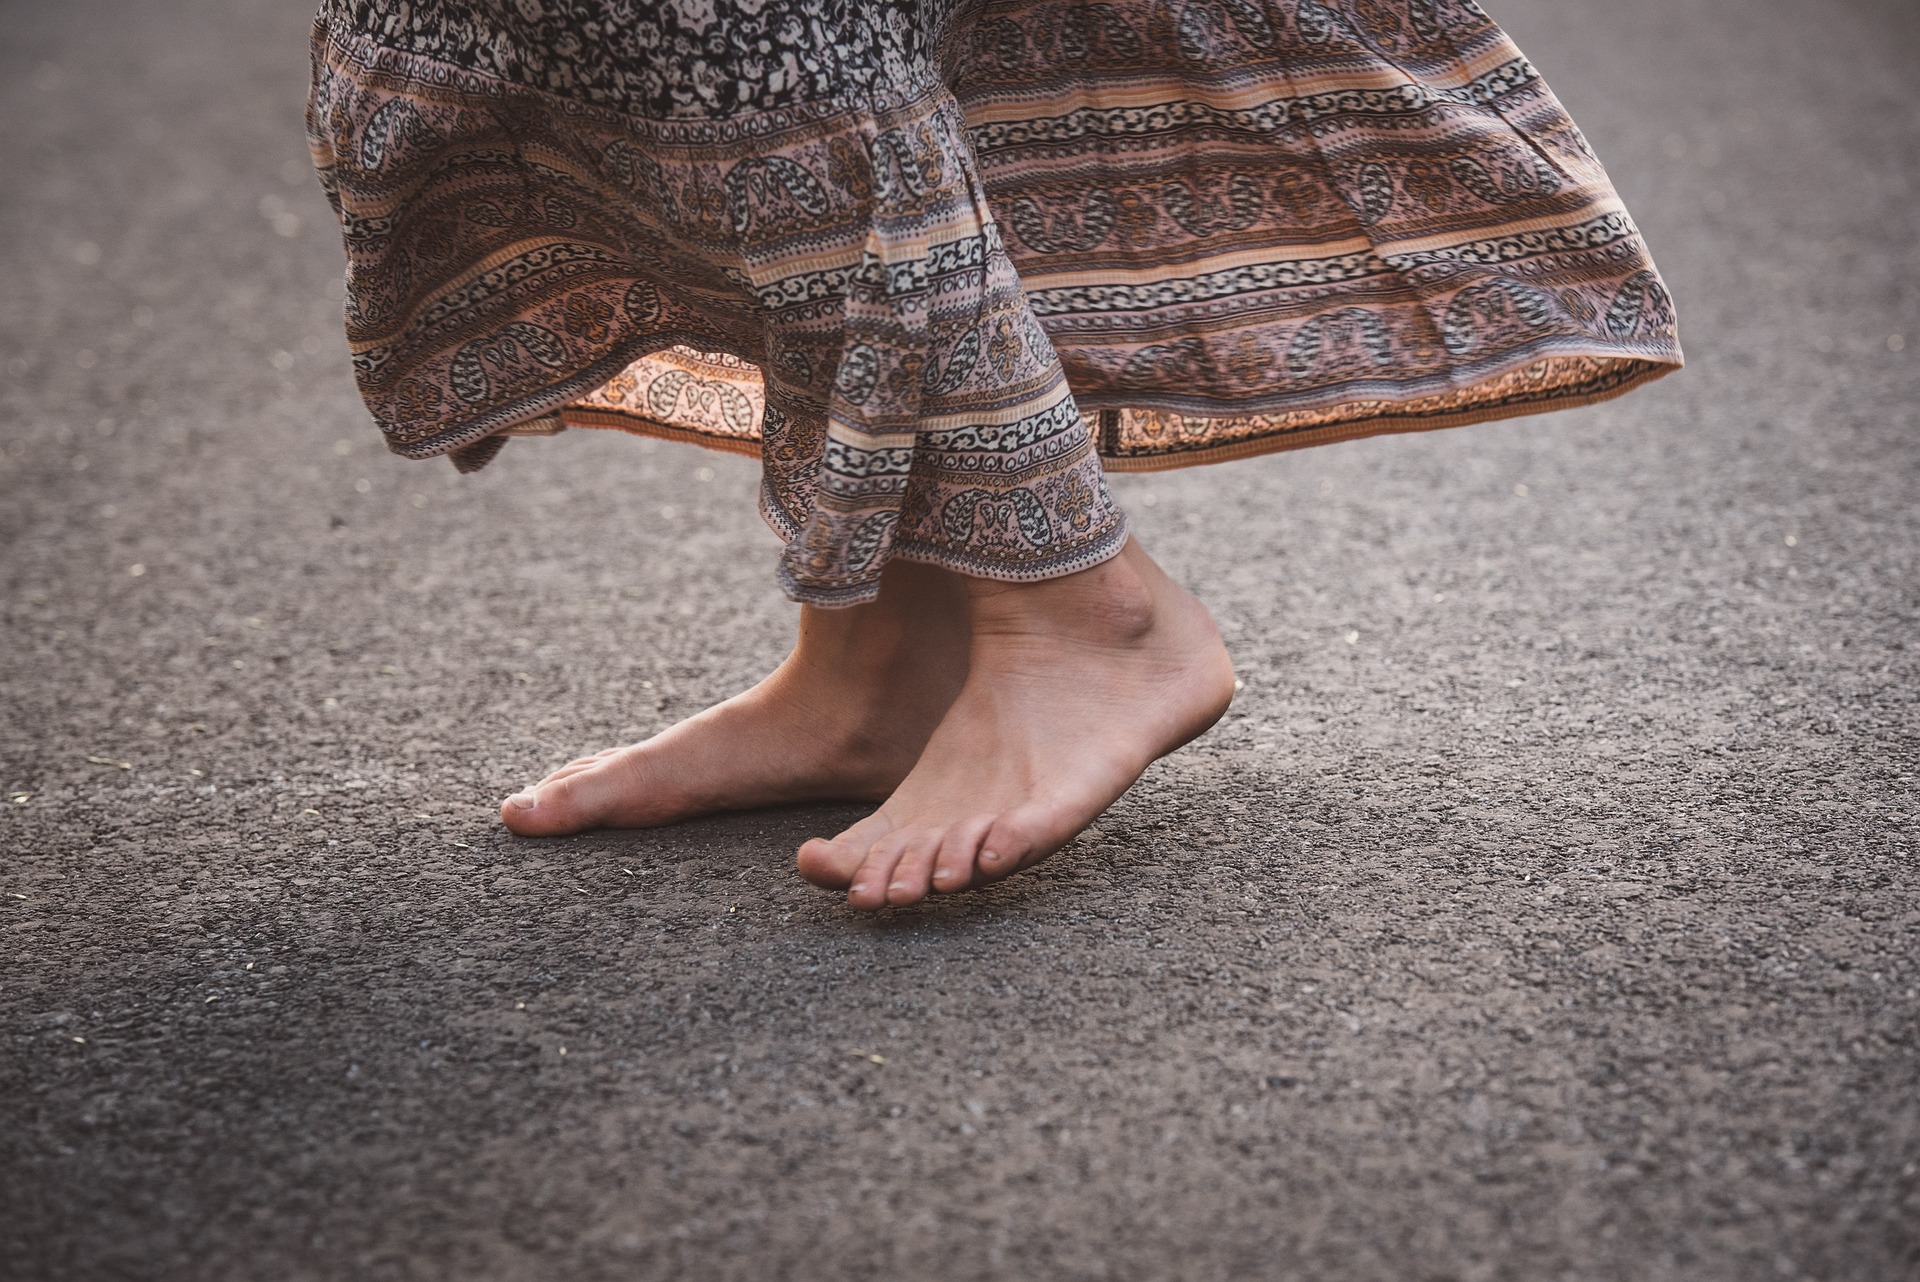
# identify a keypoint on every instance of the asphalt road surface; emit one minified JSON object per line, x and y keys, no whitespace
{"x":1547,"y":907}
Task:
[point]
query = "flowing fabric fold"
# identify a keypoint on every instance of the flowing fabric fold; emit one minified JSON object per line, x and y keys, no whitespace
{"x":937,"y":262}
{"x":950,"y":434}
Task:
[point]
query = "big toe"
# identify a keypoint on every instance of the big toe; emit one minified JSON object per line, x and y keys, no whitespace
{"x":830,"y":865}
{"x":1025,"y":837}
{"x":552,"y":808}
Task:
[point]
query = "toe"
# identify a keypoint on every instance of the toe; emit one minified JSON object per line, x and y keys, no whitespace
{"x":567,"y":771}
{"x":516,"y":812}
{"x":592,"y":761}
{"x":553,"y":808}
{"x":830,"y":865}
{"x":583,"y":763}
{"x":869,"y":889}
{"x":914,"y":873}
{"x":954,"y":868}
{"x":1010,"y":844}
{"x":531,"y":812}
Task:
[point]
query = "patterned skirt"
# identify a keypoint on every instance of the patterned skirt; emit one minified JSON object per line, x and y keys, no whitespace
{"x":940,"y":262}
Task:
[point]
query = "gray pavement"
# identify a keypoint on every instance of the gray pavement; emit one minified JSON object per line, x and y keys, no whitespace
{"x":1546,"y":908}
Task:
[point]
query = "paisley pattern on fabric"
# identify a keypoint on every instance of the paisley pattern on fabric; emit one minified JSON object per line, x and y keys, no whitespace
{"x":933,"y":260}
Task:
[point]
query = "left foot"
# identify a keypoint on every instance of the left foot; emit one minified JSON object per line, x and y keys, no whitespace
{"x":1074,"y":686}
{"x":844,"y":718}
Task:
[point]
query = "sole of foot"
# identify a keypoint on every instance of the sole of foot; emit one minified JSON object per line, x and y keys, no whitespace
{"x":844,"y":718}
{"x":1074,"y":687}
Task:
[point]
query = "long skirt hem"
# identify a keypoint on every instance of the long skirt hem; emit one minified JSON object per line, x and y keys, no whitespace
{"x":1184,"y":440}
{"x":941,"y":264}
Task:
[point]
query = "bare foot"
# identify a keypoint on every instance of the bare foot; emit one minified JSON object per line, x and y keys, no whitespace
{"x":1075,"y":686}
{"x":844,"y":717}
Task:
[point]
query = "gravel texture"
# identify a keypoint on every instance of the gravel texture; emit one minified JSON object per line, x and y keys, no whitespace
{"x":1547,"y":907}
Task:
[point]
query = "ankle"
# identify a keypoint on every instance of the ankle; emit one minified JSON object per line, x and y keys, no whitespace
{"x":871,"y":674}
{"x":1112,"y":603}
{"x":920,"y":618}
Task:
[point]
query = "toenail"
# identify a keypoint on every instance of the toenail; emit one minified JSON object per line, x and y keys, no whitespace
{"x":989,"y":857}
{"x":521,"y":801}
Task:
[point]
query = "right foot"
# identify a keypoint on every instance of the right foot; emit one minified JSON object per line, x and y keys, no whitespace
{"x":1075,"y":685}
{"x":844,"y":718}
